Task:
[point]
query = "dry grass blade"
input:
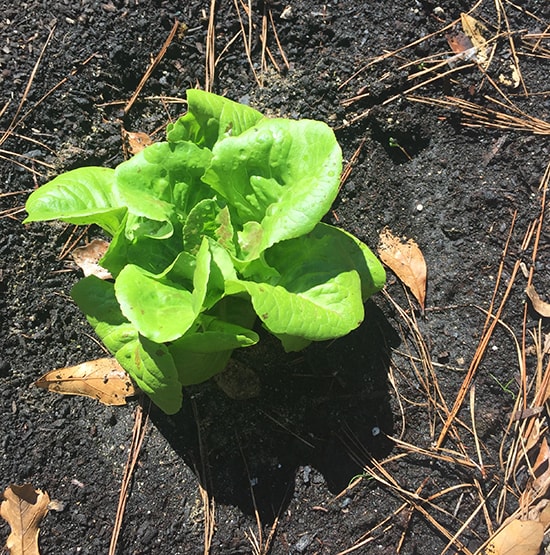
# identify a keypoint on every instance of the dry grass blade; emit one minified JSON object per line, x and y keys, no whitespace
{"x":527,"y":423}
{"x":402,"y":49}
{"x":11,"y":212}
{"x":426,"y":376}
{"x":247,"y":32}
{"x":153,"y":65}
{"x":351,"y":163}
{"x":502,"y":13}
{"x":490,"y":324}
{"x":259,"y":546}
{"x":210,"y":66}
{"x":71,"y":243}
{"x":18,"y":118}
{"x":208,"y":503}
{"x":209,"y":512}
{"x":440,"y":66}
{"x":138,"y":435}
{"x":154,"y":98}
{"x":276,"y":35}
{"x":247,"y":37}
{"x":423,"y":505}
{"x":15,"y":122}
{"x":481,"y":116}
{"x":434,"y":508}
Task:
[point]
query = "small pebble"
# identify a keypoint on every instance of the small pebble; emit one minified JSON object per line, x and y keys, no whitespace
{"x":302,"y":544}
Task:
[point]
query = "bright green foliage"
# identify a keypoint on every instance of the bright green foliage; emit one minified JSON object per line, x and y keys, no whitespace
{"x":219,"y":224}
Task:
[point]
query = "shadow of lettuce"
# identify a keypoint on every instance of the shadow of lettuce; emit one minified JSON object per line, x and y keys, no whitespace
{"x":307,"y":400}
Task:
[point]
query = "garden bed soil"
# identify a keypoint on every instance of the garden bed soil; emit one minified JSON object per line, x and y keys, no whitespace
{"x":288,"y":453}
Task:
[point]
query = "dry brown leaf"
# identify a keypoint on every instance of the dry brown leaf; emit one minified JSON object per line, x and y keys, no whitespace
{"x":87,"y":258}
{"x":544,"y":514}
{"x":459,"y":42}
{"x":513,"y":80}
{"x":23,"y":508}
{"x":406,"y":260}
{"x":135,"y":142}
{"x":541,"y":470}
{"x":542,"y":308}
{"x":475,"y":30}
{"x":520,"y":537}
{"x":102,"y":379}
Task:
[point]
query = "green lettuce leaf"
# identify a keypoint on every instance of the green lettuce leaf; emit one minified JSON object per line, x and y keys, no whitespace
{"x":82,"y":196}
{"x":206,"y":348}
{"x":210,"y":118}
{"x":324,"y":278}
{"x":210,"y":230}
{"x":278,"y":178}
{"x":148,"y":363}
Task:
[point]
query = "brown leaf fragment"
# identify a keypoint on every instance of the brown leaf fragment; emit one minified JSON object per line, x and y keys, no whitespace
{"x":23,"y":508}
{"x":87,"y":258}
{"x":541,"y":307}
{"x":475,"y":30}
{"x":520,"y":537}
{"x":541,"y":470}
{"x":544,"y":513}
{"x":406,"y":260}
{"x":135,"y":142}
{"x":458,"y":42}
{"x":102,"y":379}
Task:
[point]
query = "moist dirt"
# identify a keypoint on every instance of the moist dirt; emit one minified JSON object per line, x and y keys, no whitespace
{"x":284,"y":458}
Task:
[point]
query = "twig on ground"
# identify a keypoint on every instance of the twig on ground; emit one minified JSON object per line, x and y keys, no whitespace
{"x":152,"y":66}
{"x":71,"y":243}
{"x":489,"y":327}
{"x":141,"y":417}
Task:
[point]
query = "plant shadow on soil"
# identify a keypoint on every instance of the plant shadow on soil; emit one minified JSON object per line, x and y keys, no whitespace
{"x":247,"y":453}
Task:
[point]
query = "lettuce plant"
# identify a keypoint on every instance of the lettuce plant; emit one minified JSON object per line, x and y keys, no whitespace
{"x":215,"y":227}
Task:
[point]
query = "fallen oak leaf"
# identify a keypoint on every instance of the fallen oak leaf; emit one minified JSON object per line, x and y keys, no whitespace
{"x":406,"y":260}
{"x":87,"y":258}
{"x":102,"y":379}
{"x":519,"y":537}
{"x":23,"y":508}
{"x":540,"y":306}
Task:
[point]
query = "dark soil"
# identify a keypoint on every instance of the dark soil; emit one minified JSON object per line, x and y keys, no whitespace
{"x":291,"y":450}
